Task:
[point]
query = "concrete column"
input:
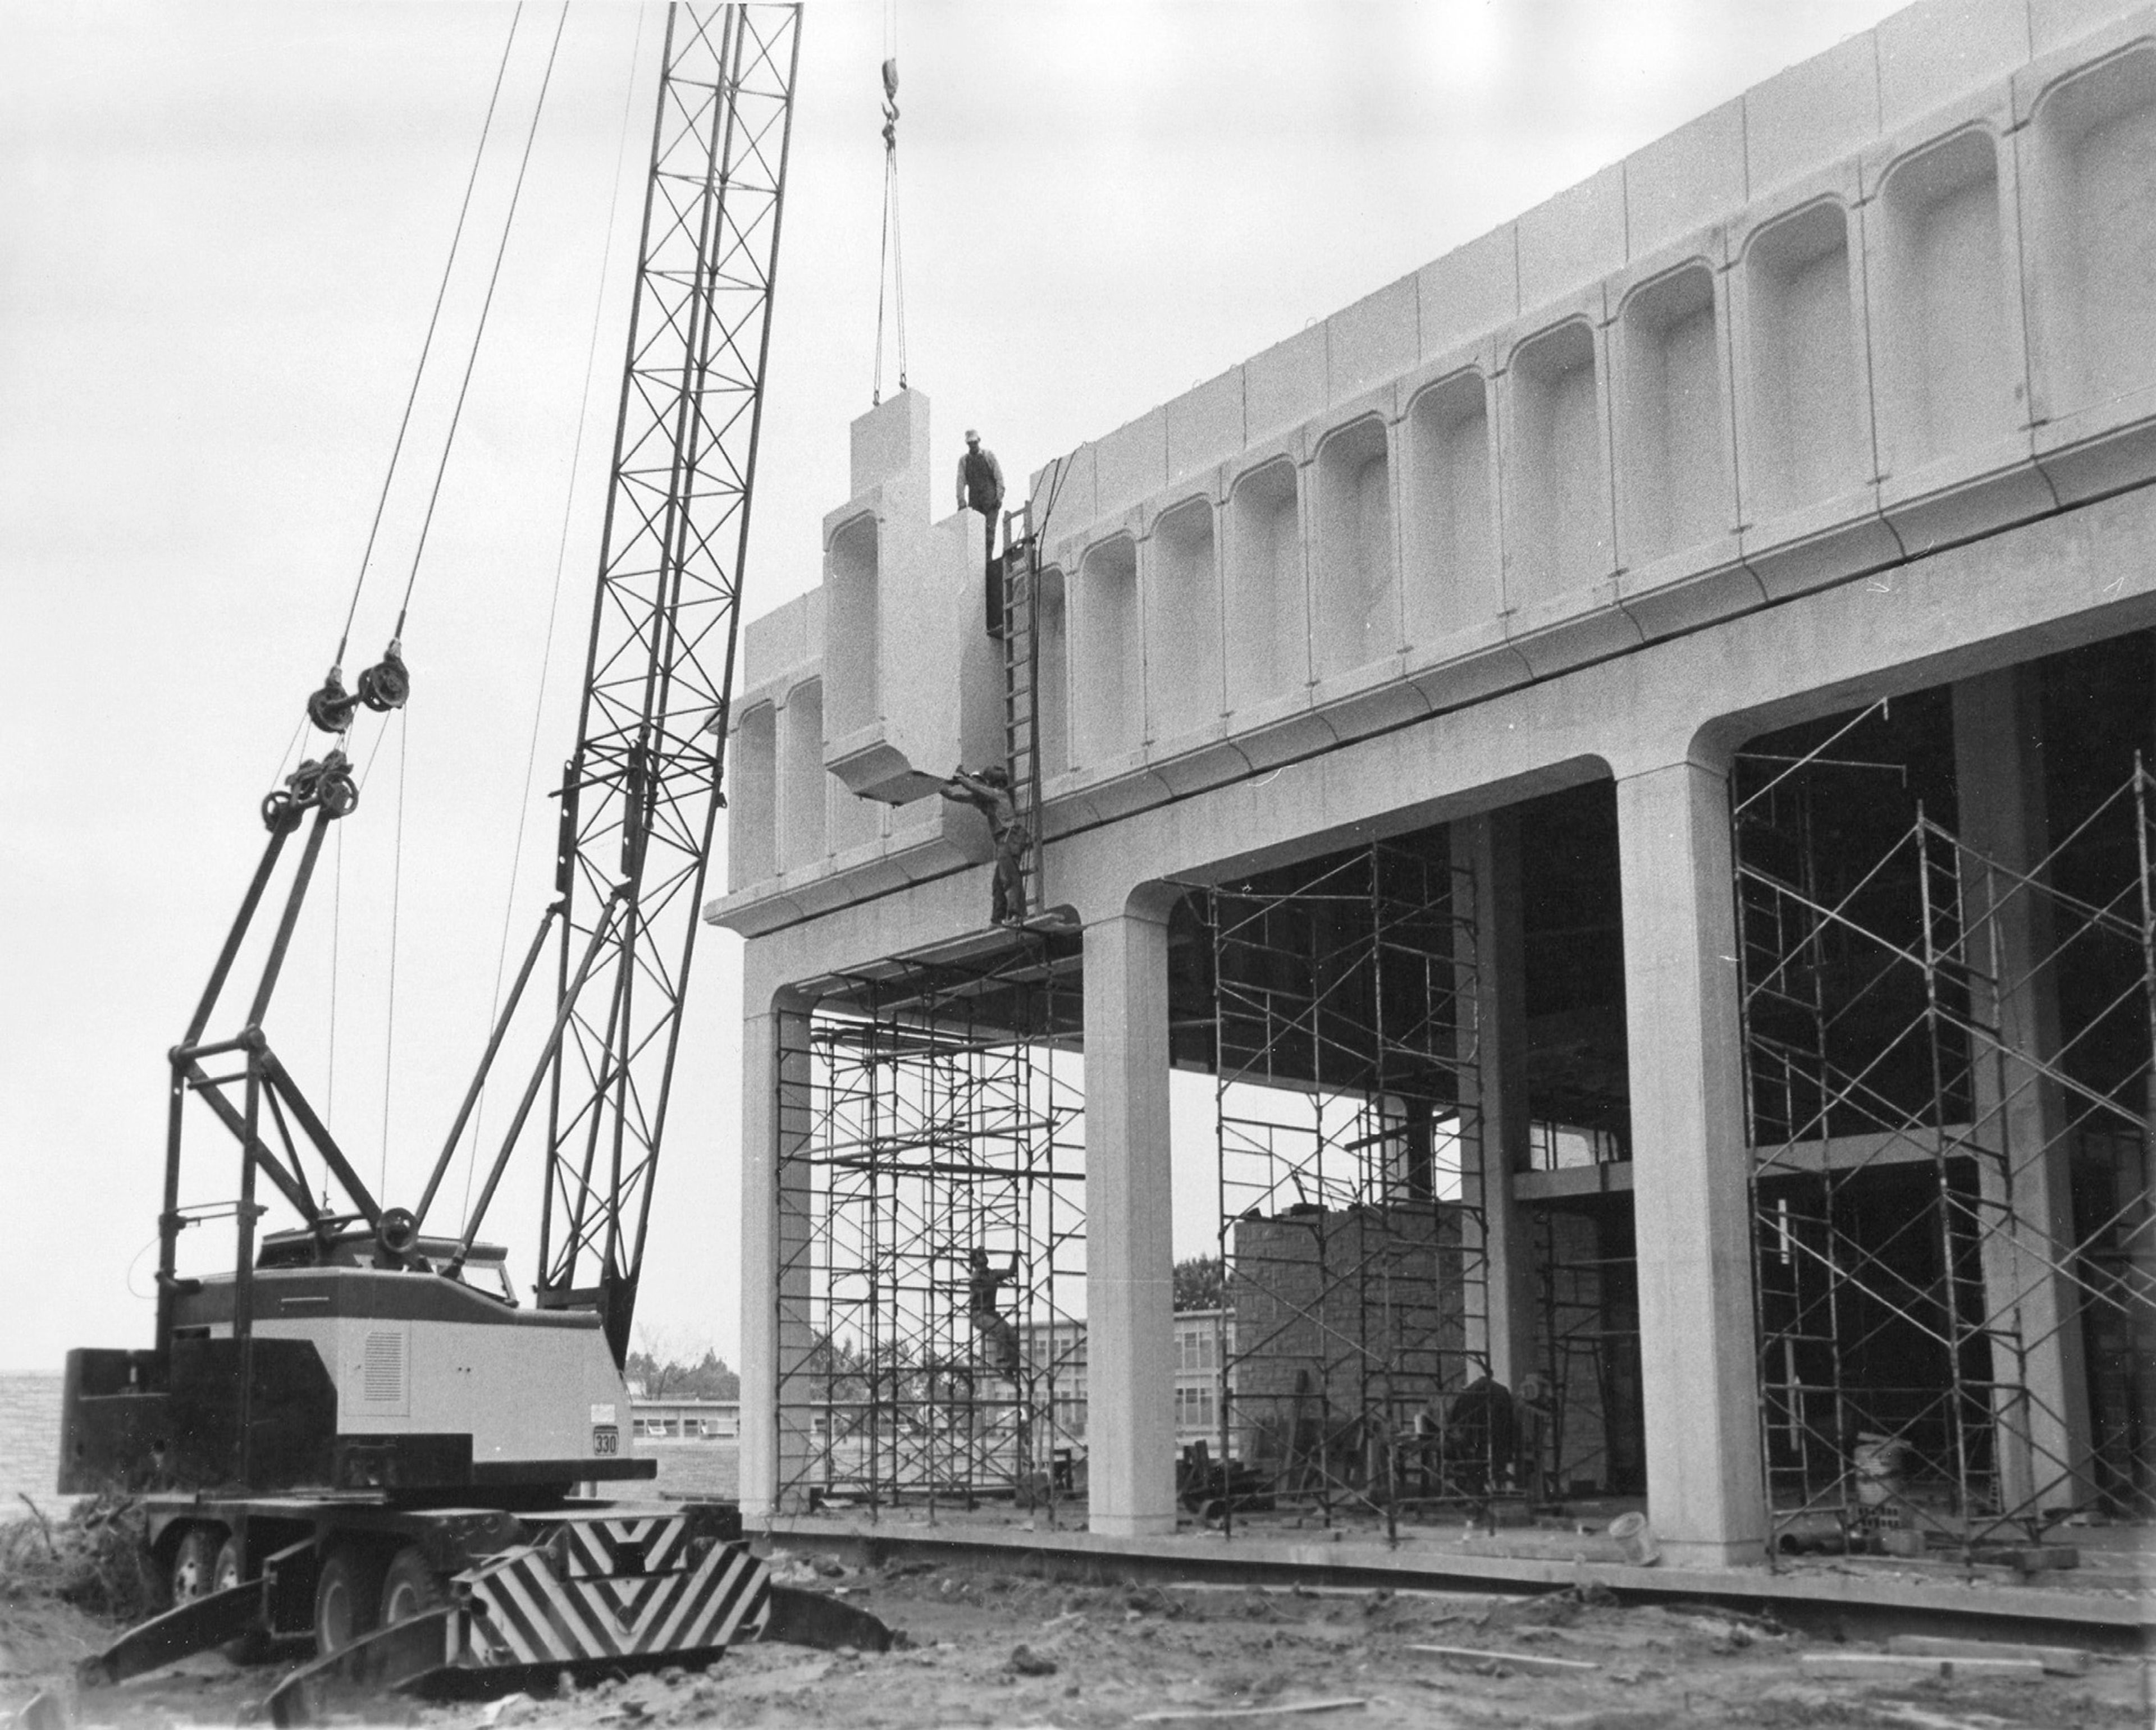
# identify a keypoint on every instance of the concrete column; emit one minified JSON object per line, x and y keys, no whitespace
{"x":1130,"y":1263}
{"x":2021,"y":1118}
{"x":1502,"y":1313}
{"x":1691,"y":1189}
{"x":774,"y":1270}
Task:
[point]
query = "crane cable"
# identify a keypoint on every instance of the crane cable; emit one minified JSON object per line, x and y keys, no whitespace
{"x":487,"y":306}
{"x":374,"y":530}
{"x":426,"y":346}
{"x":890,"y":263}
{"x":434,"y":497}
{"x":561,"y":564}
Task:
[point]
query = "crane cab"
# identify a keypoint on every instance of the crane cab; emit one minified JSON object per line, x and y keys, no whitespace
{"x":414,"y":1373}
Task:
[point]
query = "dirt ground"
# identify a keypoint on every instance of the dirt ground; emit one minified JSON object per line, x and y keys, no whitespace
{"x":982,"y":1648}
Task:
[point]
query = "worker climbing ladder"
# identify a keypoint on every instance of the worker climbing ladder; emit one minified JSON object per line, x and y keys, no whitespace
{"x":1021,"y":642}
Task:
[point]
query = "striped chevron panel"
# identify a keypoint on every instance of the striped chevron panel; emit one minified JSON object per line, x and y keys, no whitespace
{"x":606,"y":1548}
{"x":525,"y":1606}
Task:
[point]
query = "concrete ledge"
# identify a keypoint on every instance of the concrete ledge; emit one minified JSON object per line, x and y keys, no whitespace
{"x":2109,"y":1620}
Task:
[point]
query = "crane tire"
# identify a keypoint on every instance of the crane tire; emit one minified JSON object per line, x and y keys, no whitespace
{"x":193,"y":1573}
{"x":347,"y":1595}
{"x":410,"y":1586}
{"x":253,"y":1646}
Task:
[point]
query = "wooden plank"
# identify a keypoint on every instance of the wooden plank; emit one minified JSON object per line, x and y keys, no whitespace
{"x":1532,"y":1663}
{"x":1890,"y":1665}
{"x":2057,"y":1660}
{"x":1238,"y":1714}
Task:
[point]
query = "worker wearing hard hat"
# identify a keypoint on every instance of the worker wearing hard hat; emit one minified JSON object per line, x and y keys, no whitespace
{"x":988,"y":792}
{"x":981,"y":488}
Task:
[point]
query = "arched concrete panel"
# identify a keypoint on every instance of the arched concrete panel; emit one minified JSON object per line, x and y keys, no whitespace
{"x":1808,"y":437}
{"x":1942,"y":370}
{"x":1185,"y":691}
{"x":852,"y":638}
{"x":1450,"y":576}
{"x":1558,"y":536}
{"x":1355,"y":590}
{"x":1266,"y":608}
{"x":1676,"y":486}
{"x":1107,"y":654}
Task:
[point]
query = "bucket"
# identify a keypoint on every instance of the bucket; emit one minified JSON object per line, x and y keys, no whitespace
{"x":1635,"y":1540}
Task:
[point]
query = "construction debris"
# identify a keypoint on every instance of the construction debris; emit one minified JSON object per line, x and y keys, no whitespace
{"x":2057,"y":1660}
{"x":1015,"y":1649}
{"x":1901,"y":1666}
{"x":93,"y":1560}
{"x":1238,"y":1714}
{"x":1529,"y":1663}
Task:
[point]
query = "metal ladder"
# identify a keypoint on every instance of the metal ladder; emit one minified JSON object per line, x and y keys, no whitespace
{"x":1021,"y":644}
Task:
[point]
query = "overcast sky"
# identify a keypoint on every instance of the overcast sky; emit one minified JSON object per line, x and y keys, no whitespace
{"x":222,"y":227}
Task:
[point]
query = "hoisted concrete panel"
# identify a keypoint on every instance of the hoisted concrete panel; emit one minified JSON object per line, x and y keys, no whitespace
{"x":911,"y":678}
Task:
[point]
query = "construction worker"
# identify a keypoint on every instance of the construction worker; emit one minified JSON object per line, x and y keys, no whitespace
{"x":998,"y":1338}
{"x":981,"y":488}
{"x":1479,"y":1437}
{"x":1533,"y":1410}
{"x":989,"y":793}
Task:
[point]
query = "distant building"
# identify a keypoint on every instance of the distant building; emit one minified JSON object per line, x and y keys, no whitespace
{"x":1203,"y":1338}
{"x":684,"y":1420}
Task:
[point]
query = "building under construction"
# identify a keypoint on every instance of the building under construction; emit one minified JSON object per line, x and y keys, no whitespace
{"x":1626,"y":757}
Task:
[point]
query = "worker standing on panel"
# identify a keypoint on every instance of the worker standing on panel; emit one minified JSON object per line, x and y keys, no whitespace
{"x":981,"y":488}
{"x":990,"y":792}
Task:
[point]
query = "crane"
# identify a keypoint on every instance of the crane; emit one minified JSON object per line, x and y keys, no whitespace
{"x":358,"y":1432}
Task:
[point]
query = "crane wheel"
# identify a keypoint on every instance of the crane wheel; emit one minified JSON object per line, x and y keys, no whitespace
{"x":347,"y":1596}
{"x":409,"y":1586}
{"x":194,"y":1564}
{"x":277,"y":810}
{"x":253,"y":1646}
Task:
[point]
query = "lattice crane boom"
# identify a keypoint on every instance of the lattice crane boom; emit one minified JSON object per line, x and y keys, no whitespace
{"x":643,"y":788}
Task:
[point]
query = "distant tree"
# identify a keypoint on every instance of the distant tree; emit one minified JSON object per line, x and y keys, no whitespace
{"x":669,"y":1367}
{"x":710,"y":1378}
{"x":1200,"y":1284}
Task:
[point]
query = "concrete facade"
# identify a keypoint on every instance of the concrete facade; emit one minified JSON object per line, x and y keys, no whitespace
{"x":1846,"y":390}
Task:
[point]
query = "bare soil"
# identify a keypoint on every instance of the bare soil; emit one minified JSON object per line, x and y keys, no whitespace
{"x":996,"y":1650}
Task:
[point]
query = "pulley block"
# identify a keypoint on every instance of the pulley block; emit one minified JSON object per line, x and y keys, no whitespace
{"x":387,"y":683}
{"x":327,"y":783}
{"x":330,"y":708}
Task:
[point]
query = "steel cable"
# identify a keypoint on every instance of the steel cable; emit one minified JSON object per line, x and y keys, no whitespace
{"x":396,"y":899}
{"x":479,"y":335}
{"x":890,"y":259}
{"x":561,"y":564}
{"x":434,"y":319}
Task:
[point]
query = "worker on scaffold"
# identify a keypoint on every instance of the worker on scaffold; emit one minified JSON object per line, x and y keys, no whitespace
{"x":981,"y":488}
{"x":998,"y":1338}
{"x":988,"y":792}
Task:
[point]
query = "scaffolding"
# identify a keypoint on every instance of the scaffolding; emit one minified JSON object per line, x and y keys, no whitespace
{"x":932,"y":1296}
{"x":1587,"y":1324}
{"x":1949,"y":1066}
{"x":1349,"y":1172}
